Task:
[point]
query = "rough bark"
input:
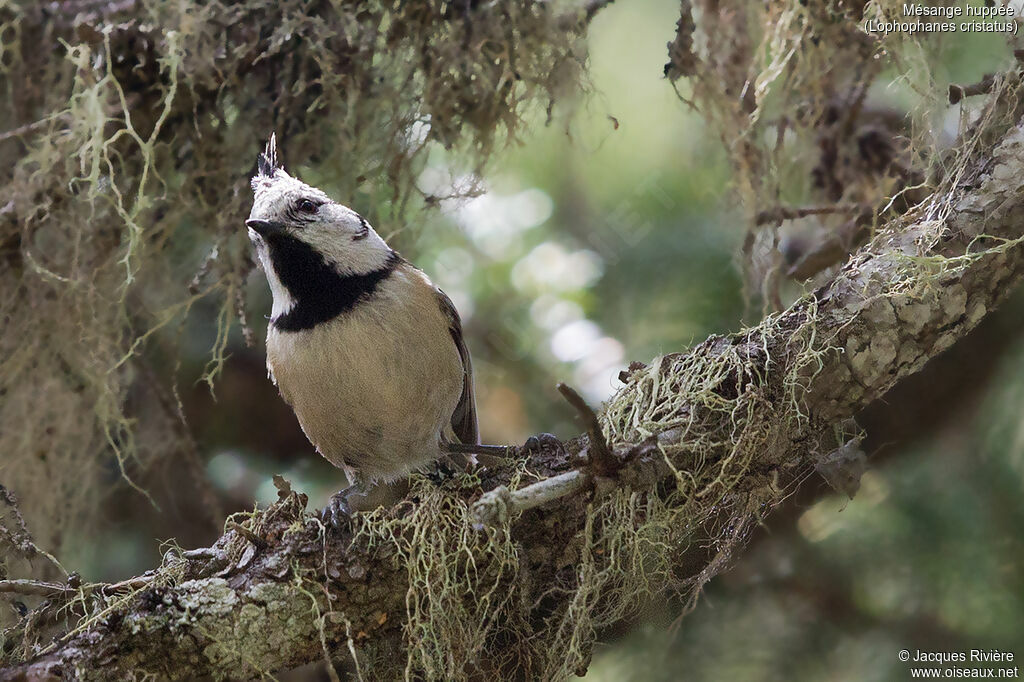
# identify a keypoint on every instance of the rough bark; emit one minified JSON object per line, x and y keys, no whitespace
{"x":923,"y":282}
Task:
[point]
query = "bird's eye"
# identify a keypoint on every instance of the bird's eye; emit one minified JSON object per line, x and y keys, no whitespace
{"x":308,"y":206}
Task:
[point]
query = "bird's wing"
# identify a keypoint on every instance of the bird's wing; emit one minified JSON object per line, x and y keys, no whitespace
{"x":464,"y":422}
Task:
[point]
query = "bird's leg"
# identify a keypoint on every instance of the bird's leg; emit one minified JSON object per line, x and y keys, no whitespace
{"x":496,"y":455}
{"x":476,"y":449}
{"x":488,"y":455}
{"x":338,"y":510}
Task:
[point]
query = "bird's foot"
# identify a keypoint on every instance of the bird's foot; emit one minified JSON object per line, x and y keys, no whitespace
{"x":338,"y":512}
{"x":542,"y":442}
{"x":441,"y":471}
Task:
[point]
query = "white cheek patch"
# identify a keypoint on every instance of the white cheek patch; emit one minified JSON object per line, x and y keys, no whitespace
{"x":348,"y":255}
{"x":283,"y":301}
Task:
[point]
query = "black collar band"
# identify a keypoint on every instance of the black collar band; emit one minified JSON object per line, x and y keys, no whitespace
{"x":319,"y":291}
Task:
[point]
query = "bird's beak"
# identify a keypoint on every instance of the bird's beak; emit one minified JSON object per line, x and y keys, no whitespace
{"x":265,"y":228}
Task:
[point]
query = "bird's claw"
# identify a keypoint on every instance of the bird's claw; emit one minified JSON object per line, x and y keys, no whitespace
{"x":440,"y":472}
{"x":542,"y":442}
{"x":337,"y":513}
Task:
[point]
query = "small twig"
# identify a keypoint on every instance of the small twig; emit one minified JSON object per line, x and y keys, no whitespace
{"x":28,"y":127}
{"x":256,"y":540}
{"x":982,"y":87}
{"x":23,"y":538}
{"x":780,"y":213}
{"x":45,"y":589}
{"x":602,"y":462}
{"x":496,"y":507}
{"x":20,"y":536}
{"x":35,"y":587}
{"x":129,"y":584}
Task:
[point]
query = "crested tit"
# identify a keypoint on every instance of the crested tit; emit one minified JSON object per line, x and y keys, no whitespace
{"x":361,"y":344}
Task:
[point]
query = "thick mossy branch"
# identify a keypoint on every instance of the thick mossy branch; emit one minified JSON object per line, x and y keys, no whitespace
{"x":707,"y":440}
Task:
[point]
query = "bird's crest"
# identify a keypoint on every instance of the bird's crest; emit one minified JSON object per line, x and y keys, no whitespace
{"x":267,"y":165}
